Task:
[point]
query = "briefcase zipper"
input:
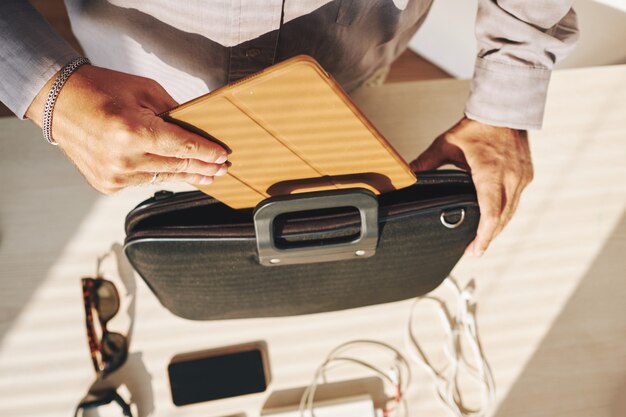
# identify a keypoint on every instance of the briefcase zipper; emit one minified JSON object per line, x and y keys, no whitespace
{"x":246,"y":230}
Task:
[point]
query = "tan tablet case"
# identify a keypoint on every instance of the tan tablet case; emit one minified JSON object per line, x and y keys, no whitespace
{"x":290,"y":129}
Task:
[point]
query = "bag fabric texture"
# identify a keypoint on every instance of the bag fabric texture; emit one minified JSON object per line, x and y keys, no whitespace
{"x":201,"y":258}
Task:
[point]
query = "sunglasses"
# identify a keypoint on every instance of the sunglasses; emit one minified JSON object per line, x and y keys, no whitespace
{"x":109,"y":350}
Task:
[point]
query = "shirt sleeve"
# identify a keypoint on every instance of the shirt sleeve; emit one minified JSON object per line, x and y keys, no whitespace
{"x":31,"y":52}
{"x":518,"y":44}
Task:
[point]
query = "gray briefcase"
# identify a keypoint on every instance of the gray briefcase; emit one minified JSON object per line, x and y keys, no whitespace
{"x":303,"y":253}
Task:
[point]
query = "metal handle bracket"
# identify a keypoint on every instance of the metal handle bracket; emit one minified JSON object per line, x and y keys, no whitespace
{"x":363,"y":246}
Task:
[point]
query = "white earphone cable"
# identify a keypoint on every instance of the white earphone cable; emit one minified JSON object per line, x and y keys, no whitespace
{"x":461,"y":327}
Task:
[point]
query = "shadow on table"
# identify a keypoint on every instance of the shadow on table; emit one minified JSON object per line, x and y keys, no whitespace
{"x":579,"y":369}
{"x":43,"y":200}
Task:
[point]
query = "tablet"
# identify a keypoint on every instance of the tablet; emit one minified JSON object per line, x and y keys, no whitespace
{"x":289,"y":129}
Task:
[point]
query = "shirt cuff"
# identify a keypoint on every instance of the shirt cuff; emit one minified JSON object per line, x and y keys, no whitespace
{"x":508,"y":95}
{"x":31,"y":52}
{"x":37,"y":78}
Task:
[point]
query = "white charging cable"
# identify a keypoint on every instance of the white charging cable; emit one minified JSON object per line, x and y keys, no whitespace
{"x":398,"y":376}
{"x":459,"y":328}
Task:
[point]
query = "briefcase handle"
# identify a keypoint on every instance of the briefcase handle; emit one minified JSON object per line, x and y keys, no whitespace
{"x":363,"y":246}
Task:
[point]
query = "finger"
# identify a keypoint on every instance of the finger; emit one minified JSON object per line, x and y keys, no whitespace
{"x":174,"y":141}
{"x":513,"y":191}
{"x":432,"y":158}
{"x":156,"y":163}
{"x":490,"y":196}
{"x":163,"y":103}
{"x":162,"y":177}
{"x":157,"y":98}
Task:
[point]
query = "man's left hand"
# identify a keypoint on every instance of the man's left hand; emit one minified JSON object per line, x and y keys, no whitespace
{"x":498,"y":159}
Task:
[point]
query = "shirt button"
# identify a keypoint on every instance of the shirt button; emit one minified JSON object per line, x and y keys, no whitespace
{"x":253,"y":52}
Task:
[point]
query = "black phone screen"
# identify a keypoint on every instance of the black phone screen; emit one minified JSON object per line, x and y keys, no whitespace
{"x":222,"y":376}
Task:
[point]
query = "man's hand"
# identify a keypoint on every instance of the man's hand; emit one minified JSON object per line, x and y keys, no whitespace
{"x":107,"y":123}
{"x":499,"y":161}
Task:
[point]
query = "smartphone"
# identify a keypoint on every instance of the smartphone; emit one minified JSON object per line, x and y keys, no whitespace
{"x":219,"y":373}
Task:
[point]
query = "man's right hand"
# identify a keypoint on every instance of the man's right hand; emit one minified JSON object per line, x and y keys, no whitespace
{"x":107,"y":123}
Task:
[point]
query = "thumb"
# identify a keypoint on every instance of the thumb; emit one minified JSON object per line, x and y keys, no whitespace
{"x":431,"y":158}
{"x":159,"y":100}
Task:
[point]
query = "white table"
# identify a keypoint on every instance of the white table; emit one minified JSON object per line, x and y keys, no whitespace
{"x":551,"y":289}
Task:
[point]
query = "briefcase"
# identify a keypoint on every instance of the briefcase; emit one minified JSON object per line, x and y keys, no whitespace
{"x":303,"y":253}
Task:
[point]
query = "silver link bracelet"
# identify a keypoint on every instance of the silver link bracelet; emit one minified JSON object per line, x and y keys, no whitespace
{"x":64,"y":74}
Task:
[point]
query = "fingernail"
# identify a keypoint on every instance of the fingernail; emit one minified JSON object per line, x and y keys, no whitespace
{"x":206,"y":180}
{"x":478,"y":252}
{"x":221,"y":159}
{"x":221,"y":171}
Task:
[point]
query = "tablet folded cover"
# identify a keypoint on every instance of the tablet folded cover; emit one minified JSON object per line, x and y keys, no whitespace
{"x":290,"y":129}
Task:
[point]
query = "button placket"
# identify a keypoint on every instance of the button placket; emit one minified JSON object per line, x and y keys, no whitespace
{"x":254,"y":55}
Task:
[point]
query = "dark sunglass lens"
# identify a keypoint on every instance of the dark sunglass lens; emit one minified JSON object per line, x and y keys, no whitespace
{"x":114,"y":351}
{"x":107,"y":300}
